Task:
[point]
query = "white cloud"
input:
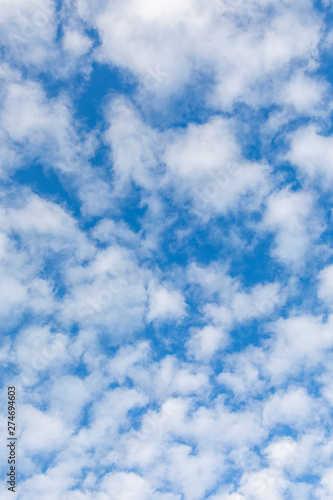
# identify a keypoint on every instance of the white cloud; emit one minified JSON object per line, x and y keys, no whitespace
{"x":43,"y":130}
{"x":101,"y":291}
{"x":134,"y":147}
{"x":205,"y":160}
{"x":202,"y":162}
{"x":312,"y":154}
{"x":294,"y":408}
{"x":204,"y":342}
{"x":76,"y":42}
{"x":325,"y":490}
{"x":305,"y":94}
{"x":242,"y":374}
{"x":301,"y":342}
{"x":164,"y":40}
{"x":37,"y":349}
{"x":28,"y":29}
{"x":165,"y":304}
{"x":291,"y":216}
{"x":41,"y":431}
{"x":244,"y":306}
{"x":263,"y":484}
{"x":325,"y":288}
{"x":33,"y":229}
{"x":124,"y":486}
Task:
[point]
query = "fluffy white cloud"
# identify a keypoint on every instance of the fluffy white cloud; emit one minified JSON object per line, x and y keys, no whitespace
{"x":28,"y":29}
{"x":160,"y":45}
{"x":325,"y":288}
{"x":202,"y":162}
{"x":305,"y":94}
{"x":41,"y":431}
{"x":312,"y":153}
{"x":293,"y":407}
{"x":110,"y":290}
{"x":204,"y":342}
{"x":300,"y":342}
{"x":290,"y":215}
{"x":242,"y":374}
{"x":76,"y":42}
{"x":165,"y":304}
{"x":206,"y":160}
{"x":134,"y":146}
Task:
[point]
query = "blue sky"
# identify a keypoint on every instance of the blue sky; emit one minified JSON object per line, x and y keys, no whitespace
{"x":166,"y":248}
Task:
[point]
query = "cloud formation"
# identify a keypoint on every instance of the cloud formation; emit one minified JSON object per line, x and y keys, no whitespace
{"x":165,"y":248}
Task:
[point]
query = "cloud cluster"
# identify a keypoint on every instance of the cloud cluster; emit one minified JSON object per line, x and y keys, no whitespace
{"x":165,"y":221}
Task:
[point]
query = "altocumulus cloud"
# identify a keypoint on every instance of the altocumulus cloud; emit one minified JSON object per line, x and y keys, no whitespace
{"x":165,"y":248}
